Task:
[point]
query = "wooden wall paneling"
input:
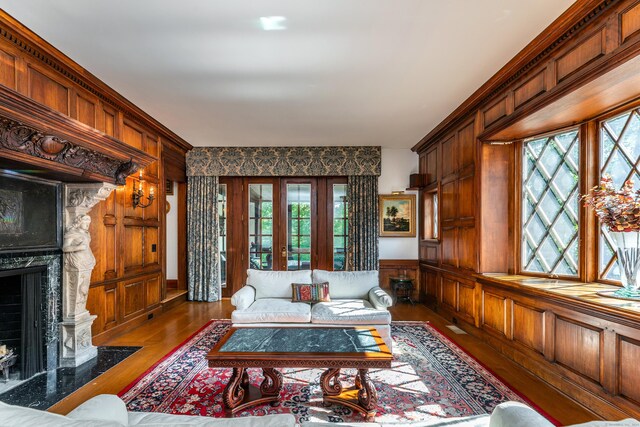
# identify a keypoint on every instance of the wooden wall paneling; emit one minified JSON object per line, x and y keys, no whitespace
{"x":593,"y":47}
{"x":630,"y":22}
{"x":495,"y":196}
{"x":151,"y":246}
{"x":467,"y":301}
{"x":448,"y":245}
{"x":84,"y":108}
{"x":627,"y":374}
{"x":108,"y":121}
{"x":530,"y":89}
{"x":449,"y":156}
{"x":431,"y":165}
{"x":8,"y":70}
{"x":466,"y":197}
{"x":133,"y":298}
{"x":134,"y":250}
{"x":529,"y":326}
{"x":47,"y":90}
{"x":495,"y":111}
{"x":466,"y":247}
{"x":401,"y":267}
{"x":449,"y":293}
{"x":466,"y":142}
{"x":495,"y":308}
{"x":578,"y":346}
{"x":132,"y":134}
{"x":153,"y":291}
{"x":448,"y":202}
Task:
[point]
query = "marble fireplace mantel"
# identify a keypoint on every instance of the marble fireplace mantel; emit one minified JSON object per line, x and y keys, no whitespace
{"x":78,"y":262}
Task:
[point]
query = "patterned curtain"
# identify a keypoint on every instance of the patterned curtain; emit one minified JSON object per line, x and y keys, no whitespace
{"x":362,"y":196}
{"x":203,"y":257}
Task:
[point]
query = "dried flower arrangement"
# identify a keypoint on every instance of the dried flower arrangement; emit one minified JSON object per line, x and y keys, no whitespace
{"x":617,"y":210}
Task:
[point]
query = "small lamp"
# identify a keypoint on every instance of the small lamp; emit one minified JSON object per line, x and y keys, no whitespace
{"x":138,"y":194}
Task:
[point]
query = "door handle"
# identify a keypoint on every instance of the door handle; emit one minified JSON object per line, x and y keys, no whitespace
{"x":284,"y":252}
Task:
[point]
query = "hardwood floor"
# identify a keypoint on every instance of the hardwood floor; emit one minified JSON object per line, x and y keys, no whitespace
{"x":162,"y":334}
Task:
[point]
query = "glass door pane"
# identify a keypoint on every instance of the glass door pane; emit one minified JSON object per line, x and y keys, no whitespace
{"x":261,"y":226}
{"x":222,"y":220}
{"x":339,"y":226}
{"x":298,"y":226}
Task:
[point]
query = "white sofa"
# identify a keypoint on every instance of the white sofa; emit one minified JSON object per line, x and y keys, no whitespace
{"x":107,"y":410}
{"x":356,"y":300}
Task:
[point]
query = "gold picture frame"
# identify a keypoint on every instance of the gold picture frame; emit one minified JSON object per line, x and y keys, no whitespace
{"x":397,"y":215}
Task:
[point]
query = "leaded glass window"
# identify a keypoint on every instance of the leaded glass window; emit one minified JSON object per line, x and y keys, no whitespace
{"x":550,"y":204}
{"x":620,"y":158}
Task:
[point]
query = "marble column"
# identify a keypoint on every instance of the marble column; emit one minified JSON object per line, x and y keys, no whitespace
{"x":77,"y":265}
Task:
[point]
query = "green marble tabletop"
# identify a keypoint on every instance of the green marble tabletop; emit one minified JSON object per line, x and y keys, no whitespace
{"x":301,"y":340}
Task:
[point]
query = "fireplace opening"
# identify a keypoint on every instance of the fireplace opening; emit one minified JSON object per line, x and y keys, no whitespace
{"x":21,"y":326}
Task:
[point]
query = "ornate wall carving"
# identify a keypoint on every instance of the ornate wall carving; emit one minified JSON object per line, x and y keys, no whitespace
{"x":24,"y":139}
{"x":283,"y":161}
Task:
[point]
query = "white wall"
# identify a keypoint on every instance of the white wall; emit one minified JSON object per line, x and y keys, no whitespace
{"x":172,"y":236}
{"x":397,"y":165}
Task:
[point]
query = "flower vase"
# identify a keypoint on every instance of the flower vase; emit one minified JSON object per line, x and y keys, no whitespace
{"x":628,"y":251}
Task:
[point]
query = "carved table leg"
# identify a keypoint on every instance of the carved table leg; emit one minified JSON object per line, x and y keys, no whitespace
{"x":272,"y":384}
{"x":329,"y":389}
{"x":233,"y":394}
{"x":358,"y":383}
{"x":367,"y":396}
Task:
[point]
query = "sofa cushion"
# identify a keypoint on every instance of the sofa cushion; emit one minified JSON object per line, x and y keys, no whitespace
{"x":349,"y":312}
{"x":149,"y":419}
{"x":273,"y":310}
{"x":347,"y":284}
{"x":103,"y":407}
{"x":19,"y":416}
{"x":276,"y":284}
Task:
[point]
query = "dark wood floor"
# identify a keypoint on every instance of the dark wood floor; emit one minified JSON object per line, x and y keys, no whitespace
{"x":162,"y":334}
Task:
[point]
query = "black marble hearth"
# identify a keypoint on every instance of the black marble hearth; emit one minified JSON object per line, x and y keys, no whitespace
{"x":48,"y":388}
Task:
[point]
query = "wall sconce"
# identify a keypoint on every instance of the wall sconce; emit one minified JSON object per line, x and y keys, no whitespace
{"x":138,"y":194}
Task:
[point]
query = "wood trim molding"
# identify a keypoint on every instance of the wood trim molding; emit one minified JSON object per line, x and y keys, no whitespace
{"x":550,"y":40}
{"x":29,"y":42}
{"x":33,"y":133}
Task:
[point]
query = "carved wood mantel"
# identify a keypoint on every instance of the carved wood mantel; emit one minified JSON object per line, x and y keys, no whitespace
{"x":34,"y":134}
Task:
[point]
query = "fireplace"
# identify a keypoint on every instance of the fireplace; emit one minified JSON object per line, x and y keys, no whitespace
{"x":30,"y":302}
{"x":21,"y":325}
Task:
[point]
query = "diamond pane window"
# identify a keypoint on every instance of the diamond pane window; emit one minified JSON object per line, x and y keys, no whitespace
{"x":620,"y":158}
{"x":550,"y":204}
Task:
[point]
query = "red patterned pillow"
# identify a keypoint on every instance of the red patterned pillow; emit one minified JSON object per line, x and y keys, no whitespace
{"x":315,"y":292}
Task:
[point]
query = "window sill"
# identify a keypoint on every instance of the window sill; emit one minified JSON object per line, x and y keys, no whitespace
{"x":568,"y":293}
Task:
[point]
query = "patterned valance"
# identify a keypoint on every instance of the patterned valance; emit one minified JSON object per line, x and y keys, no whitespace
{"x":283,"y":161}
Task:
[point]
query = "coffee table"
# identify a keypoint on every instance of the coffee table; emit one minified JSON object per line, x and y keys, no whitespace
{"x":330,"y":348}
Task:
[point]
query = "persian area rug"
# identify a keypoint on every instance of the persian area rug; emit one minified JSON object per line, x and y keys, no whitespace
{"x":431,"y":379}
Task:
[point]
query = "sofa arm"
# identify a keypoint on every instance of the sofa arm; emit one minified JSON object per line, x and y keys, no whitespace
{"x":516,"y":414}
{"x":103,"y":407}
{"x":379,"y":298}
{"x":242,"y":299}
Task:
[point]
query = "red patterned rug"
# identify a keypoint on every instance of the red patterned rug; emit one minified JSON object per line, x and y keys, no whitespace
{"x":432,"y":378}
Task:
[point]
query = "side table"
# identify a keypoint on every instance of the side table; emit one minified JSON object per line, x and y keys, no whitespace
{"x":401,"y":287}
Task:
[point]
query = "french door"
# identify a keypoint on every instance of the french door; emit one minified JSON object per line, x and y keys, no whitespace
{"x":282,"y":224}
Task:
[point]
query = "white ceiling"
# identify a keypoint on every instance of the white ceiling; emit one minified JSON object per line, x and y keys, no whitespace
{"x":344,"y":72}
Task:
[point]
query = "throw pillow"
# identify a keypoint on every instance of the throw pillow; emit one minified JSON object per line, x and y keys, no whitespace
{"x":315,"y":292}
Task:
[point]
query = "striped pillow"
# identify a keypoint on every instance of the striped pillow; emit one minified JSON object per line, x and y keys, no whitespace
{"x":316,"y":292}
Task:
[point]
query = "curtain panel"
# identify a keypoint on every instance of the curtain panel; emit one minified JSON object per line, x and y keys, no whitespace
{"x":362,"y":249}
{"x":283,"y":161}
{"x":203,"y":257}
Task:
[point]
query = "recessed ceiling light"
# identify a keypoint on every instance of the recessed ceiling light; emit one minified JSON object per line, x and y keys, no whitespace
{"x":273,"y":23}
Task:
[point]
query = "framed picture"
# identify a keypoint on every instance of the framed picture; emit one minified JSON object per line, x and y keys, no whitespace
{"x":397,"y":215}
{"x":168,"y":189}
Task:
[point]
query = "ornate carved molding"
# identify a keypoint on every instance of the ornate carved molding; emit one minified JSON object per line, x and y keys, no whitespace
{"x":45,"y":54}
{"x":24,"y":139}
